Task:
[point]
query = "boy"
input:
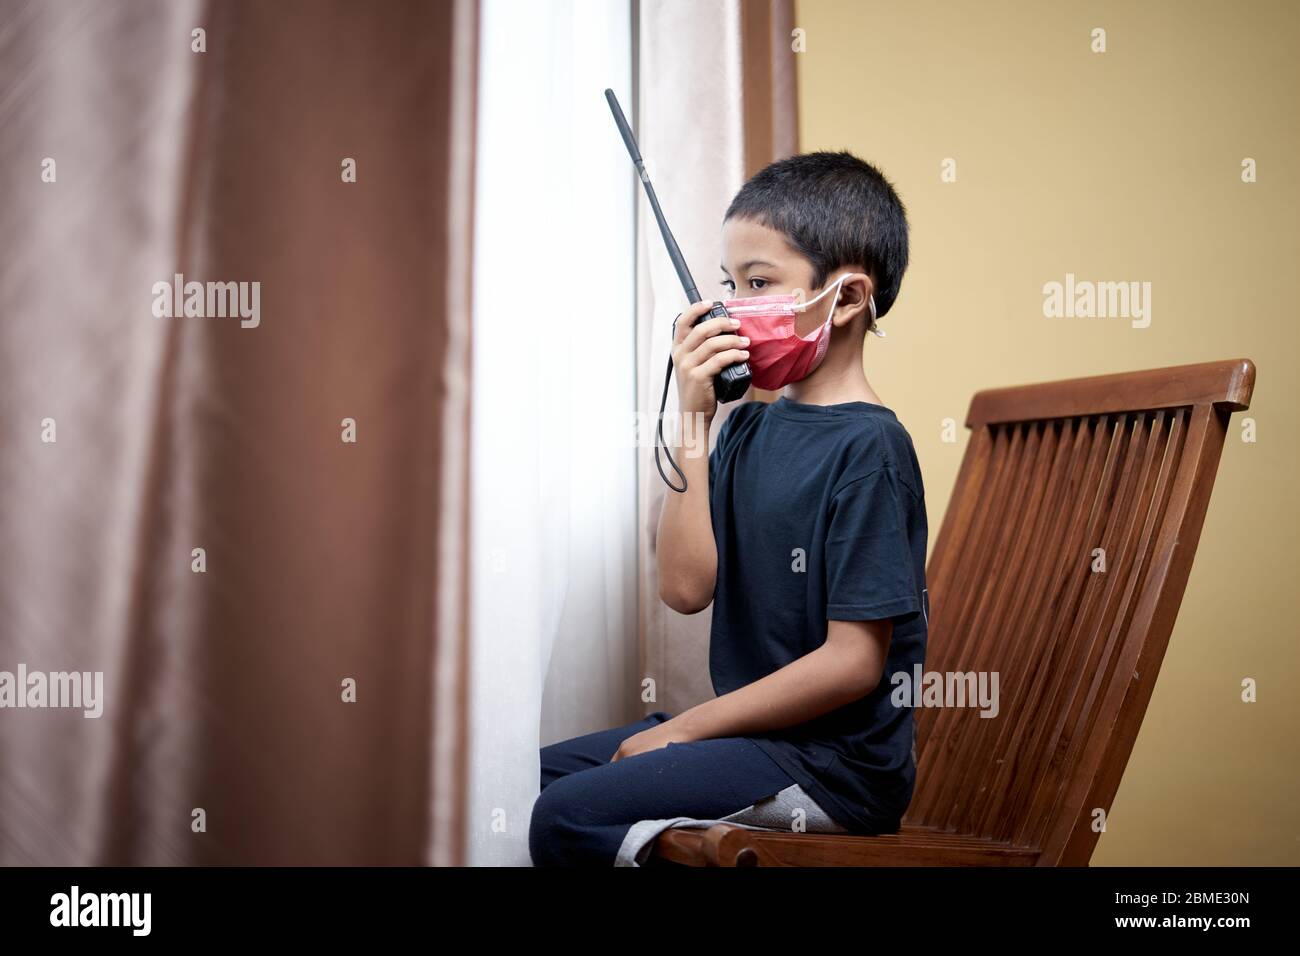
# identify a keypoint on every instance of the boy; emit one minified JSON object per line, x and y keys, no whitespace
{"x":806,"y":530}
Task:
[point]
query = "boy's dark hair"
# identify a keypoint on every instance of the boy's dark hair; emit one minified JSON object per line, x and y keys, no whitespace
{"x":836,"y":210}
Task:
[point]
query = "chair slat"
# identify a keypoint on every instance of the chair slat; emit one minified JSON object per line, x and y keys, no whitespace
{"x":1015,"y":591}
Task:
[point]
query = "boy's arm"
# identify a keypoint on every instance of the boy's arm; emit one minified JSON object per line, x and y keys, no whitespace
{"x":845,"y":668}
{"x":687,"y":553}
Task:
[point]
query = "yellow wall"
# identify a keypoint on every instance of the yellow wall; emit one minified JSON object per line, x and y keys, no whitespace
{"x":1115,"y":166}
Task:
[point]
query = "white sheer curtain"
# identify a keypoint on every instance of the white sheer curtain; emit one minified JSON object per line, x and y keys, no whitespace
{"x":553,"y":483}
{"x":692,"y":134}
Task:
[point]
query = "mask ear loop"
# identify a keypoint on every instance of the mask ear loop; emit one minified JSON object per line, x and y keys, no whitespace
{"x":870,"y":298}
{"x":663,"y":402}
{"x":839,"y":284}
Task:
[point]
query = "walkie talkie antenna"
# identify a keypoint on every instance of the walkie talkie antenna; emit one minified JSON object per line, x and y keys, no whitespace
{"x":674,"y":251}
{"x":733,"y":381}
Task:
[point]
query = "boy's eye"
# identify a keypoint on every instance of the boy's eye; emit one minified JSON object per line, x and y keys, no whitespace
{"x":731,"y":286}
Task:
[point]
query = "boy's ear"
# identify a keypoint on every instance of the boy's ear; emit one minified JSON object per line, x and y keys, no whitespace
{"x":855,"y":295}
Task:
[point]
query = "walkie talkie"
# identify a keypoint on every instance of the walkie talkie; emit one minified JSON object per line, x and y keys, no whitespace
{"x":733,"y":381}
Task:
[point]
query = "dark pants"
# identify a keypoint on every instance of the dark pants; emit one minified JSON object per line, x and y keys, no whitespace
{"x":588,"y":804}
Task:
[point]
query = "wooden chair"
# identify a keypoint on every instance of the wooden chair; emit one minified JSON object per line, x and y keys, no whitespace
{"x":1053,"y":471}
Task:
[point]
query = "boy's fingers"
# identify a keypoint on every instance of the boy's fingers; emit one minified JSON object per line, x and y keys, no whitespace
{"x":707,"y":330}
{"x":716,"y":343}
{"x":721,"y":360}
{"x":688,"y":316}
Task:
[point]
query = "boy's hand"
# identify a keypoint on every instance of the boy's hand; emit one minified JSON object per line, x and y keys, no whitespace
{"x":661,"y":735}
{"x":700,"y":353}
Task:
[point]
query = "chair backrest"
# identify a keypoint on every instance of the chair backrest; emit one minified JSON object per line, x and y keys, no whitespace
{"x":1060,"y":565}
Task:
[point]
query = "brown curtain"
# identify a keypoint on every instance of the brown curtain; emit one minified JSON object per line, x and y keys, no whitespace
{"x":326,"y":561}
{"x":743,"y":80}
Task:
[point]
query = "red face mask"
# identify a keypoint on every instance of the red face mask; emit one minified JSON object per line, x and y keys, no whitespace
{"x":777,"y":354}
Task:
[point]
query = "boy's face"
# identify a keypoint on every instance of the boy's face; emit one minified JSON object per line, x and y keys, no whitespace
{"x":758,"y":260}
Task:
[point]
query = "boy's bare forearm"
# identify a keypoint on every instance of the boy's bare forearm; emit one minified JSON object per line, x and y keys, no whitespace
{"x":688,"y":556}
{"x":815,"y":684}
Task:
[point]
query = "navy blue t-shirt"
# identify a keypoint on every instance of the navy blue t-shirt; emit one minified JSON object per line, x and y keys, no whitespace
{"x":819,"y":514}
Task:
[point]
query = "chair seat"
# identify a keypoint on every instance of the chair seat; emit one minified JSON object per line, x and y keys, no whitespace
{"x":727,"y":845}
